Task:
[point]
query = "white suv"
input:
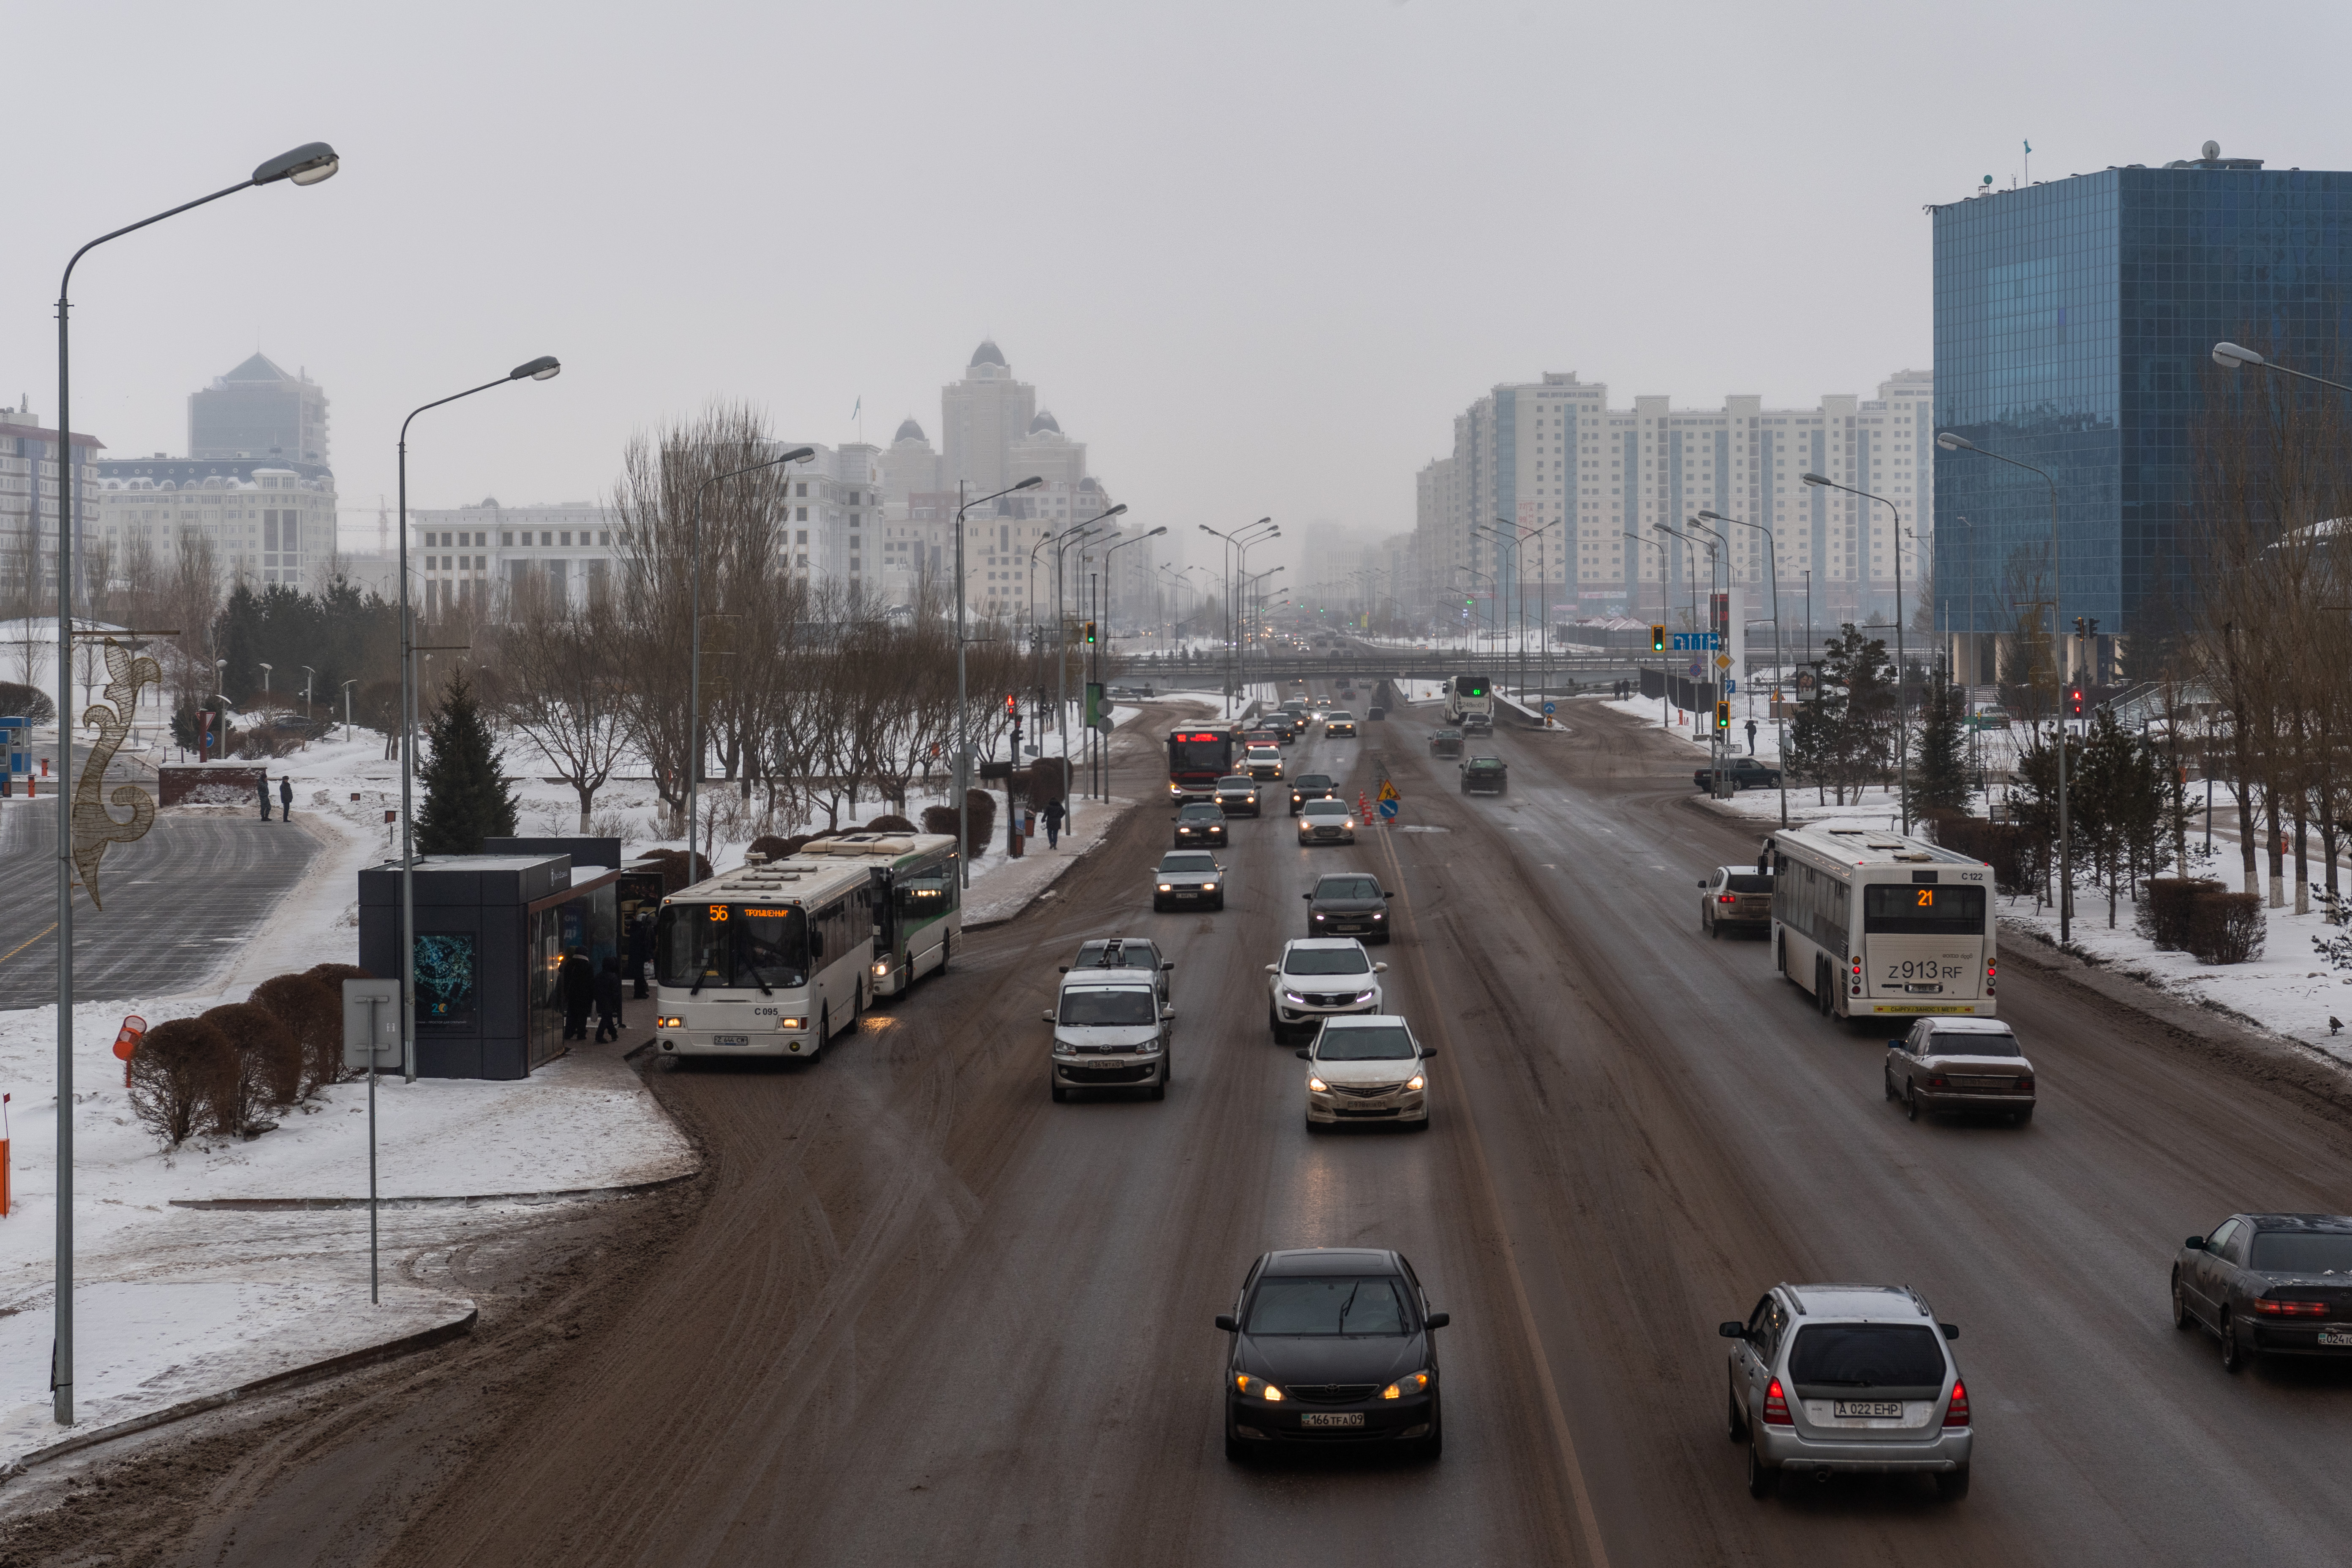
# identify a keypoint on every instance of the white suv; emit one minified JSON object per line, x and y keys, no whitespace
{"x":1320,"y":977}
{"x":1110,"y":1031}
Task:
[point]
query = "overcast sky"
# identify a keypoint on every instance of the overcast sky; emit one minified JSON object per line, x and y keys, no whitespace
{"x":1256,"y":256}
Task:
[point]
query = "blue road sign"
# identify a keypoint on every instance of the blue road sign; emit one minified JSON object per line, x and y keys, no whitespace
{"x":1551,"y":707}
{"x":1388,"y":810}
{"x":1694,"y":642}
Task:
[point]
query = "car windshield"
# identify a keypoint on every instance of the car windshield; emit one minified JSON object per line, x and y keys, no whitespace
{"x":1201,"y":811}
{"x":1238,"y":782}
{"x":2302,"y":1252}
{"x":1263,"y":754}
{"x":1123,"y":1005}
{"x":1365,"y":1043}
{"x":1865,"y":1355}
{"x":1952,"y":1043}
{"x":1193,"y":862}
{"x":1346,"y":888}
{"x":1324,"y":808}
{"x":1327,"y":1304}
{"x":1311,"y":780}
{"x":1485,"y":765}
{"x":1340,"y":717}
{"x":1348,"y":960}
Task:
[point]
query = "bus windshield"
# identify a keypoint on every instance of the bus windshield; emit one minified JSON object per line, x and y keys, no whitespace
{"x":728,"y":946}
{"x":1905,"y":909}
{"x":1204,"y":752}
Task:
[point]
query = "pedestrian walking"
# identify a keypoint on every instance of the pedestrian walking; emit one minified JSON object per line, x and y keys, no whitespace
{"x":608,"y":1002}
{"x":285,"y":795}
{"x":1053,"y":814}
{"x":577,"y":983}
{"x":264,"y":795}
{"x":1751,"y":737}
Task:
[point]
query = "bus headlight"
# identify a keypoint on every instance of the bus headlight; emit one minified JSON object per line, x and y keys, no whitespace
{"x":669,"y":1022}
{"x":792,"y":1023}
{"x":881,"y":969}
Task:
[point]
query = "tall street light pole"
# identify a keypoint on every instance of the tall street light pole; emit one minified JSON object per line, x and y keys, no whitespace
{"x":1902,"y":670}
{"x":1950,"y":442}
{"x":963,"y":717}
{"x":305,"y":165}
{"x":1779,"y":724}
{"x":1102,"y":773}
{"x":694,"y":638}
{"x":1231,"y":541}
{"x":1075,"y":534}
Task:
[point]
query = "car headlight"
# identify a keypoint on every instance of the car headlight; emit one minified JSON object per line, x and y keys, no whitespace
{"x":1294,"y":996}
{"x":1417,"y":1082}
{"x":1380,"y":914}
{"x":882,"y":969}
{"x":1209,"y":882}
{"x":1257,"y":1388}
{"x":1317,"y":1086}
{"x":1166,"y":886}
{"x":1320,"y":915}
{"x":1366,"y":996}
{"x":1064,"y":1049}
{"x":1414,"y":1382}
{"x":1149,"y":1048}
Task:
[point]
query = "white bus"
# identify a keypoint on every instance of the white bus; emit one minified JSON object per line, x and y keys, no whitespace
{"x":1875,"y":925}
{"x":767,"y":961}
{"x":918,"y":905}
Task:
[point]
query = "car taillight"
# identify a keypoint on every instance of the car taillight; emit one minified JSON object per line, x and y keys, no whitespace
{"x":1956,"y":1414}
{"x":1727,"y":899}
{"x":1937,"y":1080}
{"x":1776,"y":1407}
{"x":2271,"y":1309}
{"x":2025,"y":1081}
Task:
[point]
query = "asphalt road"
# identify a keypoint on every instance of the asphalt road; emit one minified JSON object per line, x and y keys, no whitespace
{"x":923,"y":1315}
{"x":195,"y":887}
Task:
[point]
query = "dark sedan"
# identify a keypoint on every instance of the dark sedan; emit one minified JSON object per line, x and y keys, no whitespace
{"x":1332,"y":1345}
{"x":1349,"y":903}
{"x":2274,"y":1284}
{"x":1237,"y":795}
{"x":1311,"y":787}
{"x":1200,"y":823}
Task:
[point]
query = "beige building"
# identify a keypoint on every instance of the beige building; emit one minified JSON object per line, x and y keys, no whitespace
{"x":981,"y":417}
{"x":266,"y":522}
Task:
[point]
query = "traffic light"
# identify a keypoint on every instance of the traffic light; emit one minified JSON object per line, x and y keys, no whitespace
{"x":1090,"y":633}
{"x":1011,"y":706}
{"x":1722,"y":715}
{"x":2074,"y":696}
{"x":1657,"y":637}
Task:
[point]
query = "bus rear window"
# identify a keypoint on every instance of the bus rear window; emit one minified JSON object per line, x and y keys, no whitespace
{"x":1905,"y":908}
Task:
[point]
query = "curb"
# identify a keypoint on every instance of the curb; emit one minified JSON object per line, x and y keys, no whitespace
{"x":1044,"y":887}
{"x":423,"y":1339}
{"x":268,"y":1205}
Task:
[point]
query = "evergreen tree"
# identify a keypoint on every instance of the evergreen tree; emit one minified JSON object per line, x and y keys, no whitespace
{"x":1939,"y":778}
{"x":466,"y":798}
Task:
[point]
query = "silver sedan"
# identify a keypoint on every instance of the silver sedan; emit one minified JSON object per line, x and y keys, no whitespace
{"x":1950,"y":1065}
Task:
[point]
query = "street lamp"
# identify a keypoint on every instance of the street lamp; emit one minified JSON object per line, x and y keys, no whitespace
{"x":266,"y":668}
{"x":1235,"y":541}
{"x":347,"y":707}
{"x":1094,"y":746}
{"x":1075,"y":533}
{"x":1950,"y":442}
{"x":694,"y":638}
{"x":543,"y":368}
{"x":964,"y":719}
{"x":1902,"y":672}
{"x":1779,"y":723}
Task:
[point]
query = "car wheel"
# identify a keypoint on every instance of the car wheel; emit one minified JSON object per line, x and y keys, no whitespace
{"x":1887,"y":1080}
{"x":1236,"y":1450}
{"x":1710,"y":927}
{"x":2182,"y":1316}
{"x":1737,"y":1418}
{"x":1432,"y":1446}
{"x":2019,"y":1118}
{"x":1274,"y":1023}
{"x":1060,"y":1094}
{"x":2235,"y":1356}
{"x":1761,"y":1478}
{"x":1911,"y":1104}
{"x":944,"y":955}
{"x":1312,"y":1125}
{"x":1158,"y":1089}
{"x":1157,"y":907}
{"x":1951,"y":1486}
{"x":1221,"y":902}
{"x":1167,"y":1066}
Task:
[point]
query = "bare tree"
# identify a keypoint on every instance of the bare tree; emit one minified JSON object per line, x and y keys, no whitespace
{"x":564,"y":689}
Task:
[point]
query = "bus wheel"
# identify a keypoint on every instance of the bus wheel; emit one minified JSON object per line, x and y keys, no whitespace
{"x":943,"y":969}
{"x":823,"y":1031}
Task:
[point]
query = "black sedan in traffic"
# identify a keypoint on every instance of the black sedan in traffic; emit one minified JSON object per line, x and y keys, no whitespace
{"x":2268,"y":1284}
{"x":1349,"y":903}
{"x":1332,"y":1346}
{"x":1199,"y":824}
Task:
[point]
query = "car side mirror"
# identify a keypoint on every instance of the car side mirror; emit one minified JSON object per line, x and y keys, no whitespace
{"x":1388,"y":895}
{"x":1899,"y":1045}
{"x":1437,"y":1320}
{"x":1380,"y":968}
{"x":1064,"y":969}
{"x":1048,"y":1015}
{"x":1429,"y":1050}
{"x":1308,"y":897}
{"x":1168,"y":1011}
{"x":1273,"y":969}
{"x":1701,"y":884}
{"x":1732,"y":1330}
{"x":1951,"y":1331}
{"x":1303,"y":1055}
{"x":1168,"y":967}
{"x":2194,"y":1244}
{"x":1225,"y":1322}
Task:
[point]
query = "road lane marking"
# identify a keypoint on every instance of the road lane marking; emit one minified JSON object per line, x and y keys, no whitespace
{"x":28,"y":942}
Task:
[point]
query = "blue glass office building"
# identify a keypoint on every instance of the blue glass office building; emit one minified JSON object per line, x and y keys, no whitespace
{"x":2074,"y":326}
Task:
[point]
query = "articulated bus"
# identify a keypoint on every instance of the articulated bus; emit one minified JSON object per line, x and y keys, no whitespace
{"x":1875,"y":925}
{"x":918,"y":905}
{"x":1197,"y":759}
{"x":767,"y":961}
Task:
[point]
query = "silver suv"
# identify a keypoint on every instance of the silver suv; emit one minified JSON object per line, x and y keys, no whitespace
{"x":1110,"y":1031}
{"x":1847,"y":1377}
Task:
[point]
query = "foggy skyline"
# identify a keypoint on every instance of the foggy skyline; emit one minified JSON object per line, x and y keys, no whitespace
{"x":1256,"y":260}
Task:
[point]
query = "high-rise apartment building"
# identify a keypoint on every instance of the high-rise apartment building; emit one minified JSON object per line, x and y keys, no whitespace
{"x":981,"y":417}
{"x":260,"y":412}
{"x":2075,"y":321}
{"x":30,"y":475}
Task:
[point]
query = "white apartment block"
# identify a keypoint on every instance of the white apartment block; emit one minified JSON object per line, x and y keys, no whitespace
{"x":1552,"y":462}
{"x":28,"y":501}
{"x":265,"y":521}
{"x":460,"y":554}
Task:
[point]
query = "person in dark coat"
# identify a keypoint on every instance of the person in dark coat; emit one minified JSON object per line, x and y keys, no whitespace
{"x":265,"y":797}
{"x":608,"y":1002}
{"x":1053,"y":815}
{"x":577,"y":983}
{"x":285,"y":800}
{"x":641,"y":948}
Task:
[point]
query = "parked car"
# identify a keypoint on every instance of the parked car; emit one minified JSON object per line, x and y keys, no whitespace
{"x":1348,"y":903}
{"x":1200,"y":822}
{"x":1484,"y":774}
{"x":1741,"y":773}
{"x":1331,"y":1345}
{"x":1737,"y":896}
{"x":1949,"y":1066}
{"x":1237,"y":795}
{"x":2268,"y":1284}
{"x":1445,"y":742}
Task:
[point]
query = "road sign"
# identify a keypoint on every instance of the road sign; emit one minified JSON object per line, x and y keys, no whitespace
{"x":1388,"y":811}
{"x":1723,"y":661}
{"x":371,"y":1023}
{"x":1551,"y":707}
{"x":1696,"y":642}
{"x":1697,"y":669}
{"x":1387,"y":791}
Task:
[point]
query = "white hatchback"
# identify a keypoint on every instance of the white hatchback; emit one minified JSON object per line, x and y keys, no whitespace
{"x":1367,"y":1067}
{"x":1263,"y":763}
{"x":1317,"y":978}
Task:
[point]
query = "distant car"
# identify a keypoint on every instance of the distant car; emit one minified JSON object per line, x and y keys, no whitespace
{"x":1319,"y":977}
{"x":1741,"y":773}
{"x":1200,"y":822}
{"x":1856,"y":1378}
{"x":1188,"y":876}
{"x":2268,"y":1284}
{"x":1950,"y":1066}
{"x":1333,"y":1346}
{"x":1311,"y":787}
{"x":1260,"y":735}
{"x":1327,"y":822}
{"x":1376,"y":712}
{"x":1340,"y":724}
{"x":1237,"y":795}
{"x":1367,"y":1067}
{"x":1484,"y":774}
{"x":1318,"y":710}
{"x":1348,"y":903}
{"x":1110,"y":1031}
{"x":1124,"y":952}
{"x":1445,"y":742}
{"x":1737,"y":896}
{"x":1478,"y":723}
{"x":1263,"y":763}
{"x":1989,"y":718}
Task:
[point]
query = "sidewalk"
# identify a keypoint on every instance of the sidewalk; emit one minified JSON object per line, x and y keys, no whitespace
{"x":1012,"y":885}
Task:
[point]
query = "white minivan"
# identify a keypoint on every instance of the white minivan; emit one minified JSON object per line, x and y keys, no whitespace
{"x":1110,"y":1031}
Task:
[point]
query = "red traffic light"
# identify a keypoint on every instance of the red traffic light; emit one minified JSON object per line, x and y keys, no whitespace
{"x":1011,"y":706}
{"x":2075,"y":696}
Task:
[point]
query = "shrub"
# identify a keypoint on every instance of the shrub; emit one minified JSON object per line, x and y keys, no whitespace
{"x":677,"y":871}
{"x":2167,"y":914}
{"x":889,"y":824}
{"x":312,"y":1012}
{"x":2008,"y":848}
{"x":939,"y":820}
{"x":2226,"y":927}
{"x":1047,"y":778}
{"x":27,"y":702}
{"x":767,"y":843}
{"x":180,"y":1069}
{"x":268,"y":1065}
{"x":979,"y":811}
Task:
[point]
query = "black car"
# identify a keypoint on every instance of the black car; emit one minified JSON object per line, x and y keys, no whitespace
{"x":1200,"y":822}
{"x":1375,"y":711}
{"x":1484,"y":774}
{"x":1332,"y":1345}
{"x":1349,"y":903}
{"x":2269,"y":1283}
{"x":1445,"y":742}
{"x":1311,"y":787}
{"x":1237,"y":795}
{"x":1740,"y":772}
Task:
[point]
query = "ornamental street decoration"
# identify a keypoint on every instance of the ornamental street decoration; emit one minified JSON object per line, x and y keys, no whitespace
{"x":94,"y":826}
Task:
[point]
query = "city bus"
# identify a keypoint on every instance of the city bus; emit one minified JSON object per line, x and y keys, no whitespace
{"x":1470,"y":703}
{"x":1197,"y":759}
{"x":765,"y":961}
{"x":1875,"y":925}
{"x":918,"y":905}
